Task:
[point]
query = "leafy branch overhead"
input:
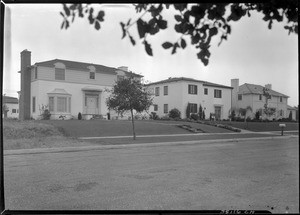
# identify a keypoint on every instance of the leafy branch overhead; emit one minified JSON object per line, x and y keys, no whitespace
{"x":196,"y":24}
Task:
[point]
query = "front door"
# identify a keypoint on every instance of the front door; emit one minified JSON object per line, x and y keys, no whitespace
{"x":218,"y":112}
{"x":91,"y":104}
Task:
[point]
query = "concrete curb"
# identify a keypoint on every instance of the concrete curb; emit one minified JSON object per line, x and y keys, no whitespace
{"x":117,"y":146}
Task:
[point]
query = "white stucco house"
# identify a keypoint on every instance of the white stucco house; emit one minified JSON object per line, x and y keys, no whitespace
{"x":179,"y":91}
{"x":66,"y":87}
{"x":251,"y":95}
{"x":11,"y":104}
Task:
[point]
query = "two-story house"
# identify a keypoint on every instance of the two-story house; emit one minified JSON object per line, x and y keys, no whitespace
{"x":66,"y":87}
{"x":179,"y":92}
{"x":251,"y":95}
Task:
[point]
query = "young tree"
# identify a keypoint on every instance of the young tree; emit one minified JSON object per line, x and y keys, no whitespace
{"x":128,"y":95}
{"x":198,"y":23}
{"x":200,"y":112}
{"x":268,"y":111}
{"x":188,"y":111}
{"x":5,"y":109}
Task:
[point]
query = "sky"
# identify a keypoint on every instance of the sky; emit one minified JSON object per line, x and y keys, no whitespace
{"x":252,"y":53}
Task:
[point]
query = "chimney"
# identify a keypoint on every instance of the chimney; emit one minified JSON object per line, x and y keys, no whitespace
{"x":234,"y":93}
{"x":268,"y":86}
{"x":24,"y":104}
{"x":124,"y":68}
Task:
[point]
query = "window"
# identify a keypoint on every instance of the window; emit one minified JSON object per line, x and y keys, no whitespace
{"x":281,"y":112}
{"x":33,"y":104}
{"x":192,"y":89}
{"x":70,"y":104}
{"x":205,"y":91}
{"x":61,"y":104}
{"x":218,"y":93}
{"x":59,"y":74}
{"x":280,"y":98}
{"x":260,"y":97}
{"x":165,"y":108}
{"x":193,"y":108}
{"x":155,"y":107}
{"x":156,"y":91}
{"x":92,"y":75}
{"x":165,"y":90}
{"x":51,"y":103}
{"x":239,"y":96}
{"x":14,"y":111}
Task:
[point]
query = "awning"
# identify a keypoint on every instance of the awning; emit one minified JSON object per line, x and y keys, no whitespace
{"x":59,"y":91}
{"x":91,"y":89}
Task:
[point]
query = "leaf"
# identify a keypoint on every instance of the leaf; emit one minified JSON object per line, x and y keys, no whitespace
{"x":66,"y":9}
{"x":148,"y":48}
{"x":270,"y":24}
{"x":97,"y":25}
{"x":141,"y":28}
{"x":183,"y":43}
{"x":162,"y":24}
{"x":123,"y":29}
{"x":132,"y":40}
{"x":175,"y":46}
{"x":167,"y":45}
{"x":100,"y":16}
{"x":178,"y":18}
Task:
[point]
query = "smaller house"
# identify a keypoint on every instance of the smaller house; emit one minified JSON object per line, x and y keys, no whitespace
{"x":10,"y":107}
{"x":251,"y":98}
{"x":183,"y":92}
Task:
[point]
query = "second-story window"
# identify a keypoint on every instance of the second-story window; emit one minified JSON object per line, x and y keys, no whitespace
{"x":192,"y":89}
{"x":165,"y":90}
{"x":59,"y":74}
{"x":240,"y":96}
{"x":92,"y":75}
{"x":156,"y":91}
{"x":218,"y":93}
{"x":205,"y":91}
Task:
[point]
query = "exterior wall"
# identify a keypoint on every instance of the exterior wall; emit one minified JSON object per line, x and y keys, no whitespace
{"x":76,"y":76}
{"x":253,"y":101}
{"x":40,"y":88}
{"x":178,"y":97}
{"x":10,"y":113}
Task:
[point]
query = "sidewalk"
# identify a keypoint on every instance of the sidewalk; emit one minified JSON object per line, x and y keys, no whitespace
{"x":154,"y":140}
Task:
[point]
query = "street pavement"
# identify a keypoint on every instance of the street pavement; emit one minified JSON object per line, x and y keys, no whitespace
{"x":243,"y":174}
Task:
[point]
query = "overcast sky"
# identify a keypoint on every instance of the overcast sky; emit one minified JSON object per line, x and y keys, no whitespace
{"x":253,"y":53}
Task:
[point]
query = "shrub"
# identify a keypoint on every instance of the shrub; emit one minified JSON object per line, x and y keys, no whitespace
{"x":194,"y":116}
{"x":290,"y":116}
{"x":153,"y":116}
{"x":45,"y":114}
{"x":174,"y":113}
{"x":188,"y":111}
{"x":257,"y":115}
{"x":79,"y":116}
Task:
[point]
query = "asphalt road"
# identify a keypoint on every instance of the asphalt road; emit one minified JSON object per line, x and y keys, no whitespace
{"x":251,"y":174}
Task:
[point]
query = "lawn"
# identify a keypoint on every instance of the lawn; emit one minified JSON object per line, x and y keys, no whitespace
{"x":263,"y":126}
{"x":34,"y":134}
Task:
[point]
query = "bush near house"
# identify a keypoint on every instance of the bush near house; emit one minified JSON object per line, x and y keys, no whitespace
{"x":174,"y":113}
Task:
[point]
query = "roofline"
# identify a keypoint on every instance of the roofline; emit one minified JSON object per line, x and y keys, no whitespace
{"x":178,"y":79}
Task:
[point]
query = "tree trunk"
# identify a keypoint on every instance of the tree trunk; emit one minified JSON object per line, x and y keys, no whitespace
{"x":132,"y":120}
